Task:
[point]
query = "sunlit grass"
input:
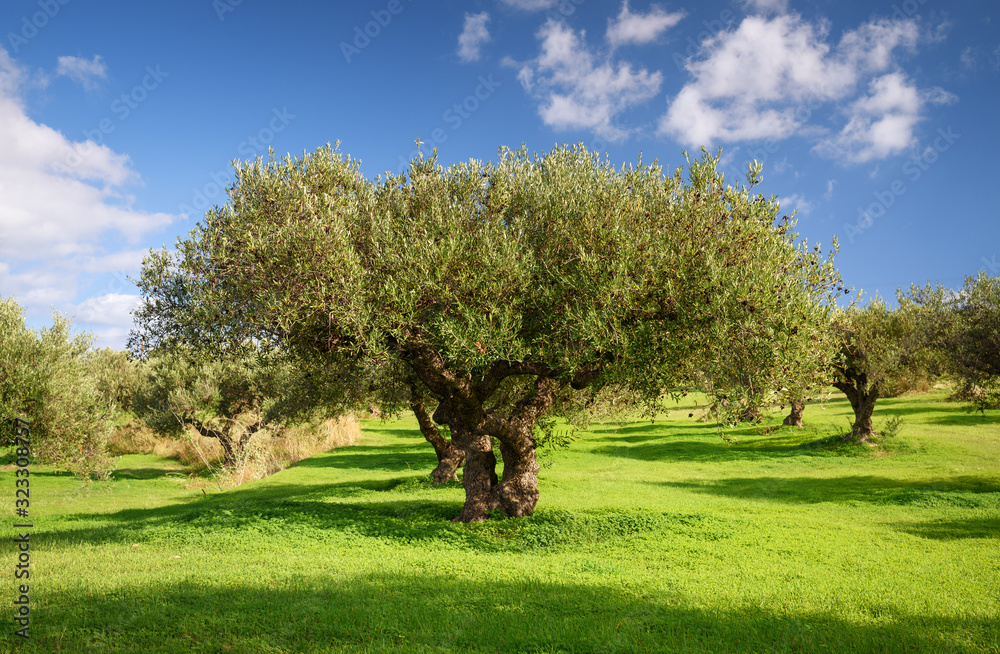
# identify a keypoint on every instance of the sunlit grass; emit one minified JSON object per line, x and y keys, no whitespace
{"x":648,"y":537}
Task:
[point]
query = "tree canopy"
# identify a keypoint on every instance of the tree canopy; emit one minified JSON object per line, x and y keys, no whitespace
{"x":505,"y":289}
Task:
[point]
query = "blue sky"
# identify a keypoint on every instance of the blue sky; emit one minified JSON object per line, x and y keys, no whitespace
{"x":875,"y":121}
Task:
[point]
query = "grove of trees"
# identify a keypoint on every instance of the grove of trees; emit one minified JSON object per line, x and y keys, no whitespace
{"x":508,"y":291}
{"x":488,"y":299}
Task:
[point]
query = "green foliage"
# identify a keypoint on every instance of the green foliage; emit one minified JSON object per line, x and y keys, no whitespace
{"x":880,"y":348}
{"x":975,"y":351}
{"x":890,"y":427}
{"x":116,"y":375}
{"x":561,"y":263}
{"x":48,"y":379}
{"x":21,"y":394}
{"x":223,"y":397}
{"x":228,"y":395}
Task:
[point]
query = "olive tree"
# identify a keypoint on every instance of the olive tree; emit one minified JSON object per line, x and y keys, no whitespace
{"x":508,"y":290}
{"x":883,"y":352}
{"x":974,"y":347}
{"x":227,"y":396}
{"x":47,"y":377}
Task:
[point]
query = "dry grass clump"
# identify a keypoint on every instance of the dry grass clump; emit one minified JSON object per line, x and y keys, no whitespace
{"x":267,"y":453}
{"x":192,"y":449}
{"x":271,"y":452}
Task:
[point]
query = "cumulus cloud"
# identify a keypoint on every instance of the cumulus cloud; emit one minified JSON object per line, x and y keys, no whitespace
{"x":795,"y":204}
{"x":578,"y":89}
{"x":474,"y":35}
{"x":630,"y":28}
{"x":881,"y":123}
{"x":62,"y":204}
{"x":767,"y":6}
{"x":530,"y":5}
{"x":765,"y":79}
{"x":86,"y":73}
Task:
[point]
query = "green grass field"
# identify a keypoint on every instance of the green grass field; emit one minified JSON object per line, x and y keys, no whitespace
{"x":648,"y":538}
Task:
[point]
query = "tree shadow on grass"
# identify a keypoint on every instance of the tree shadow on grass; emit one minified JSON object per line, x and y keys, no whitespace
{"x":936,"y":413}
{"x":977,"y":527}
{"x":403,"y":510}
{"x":702,"y":443}
{"x":386,"y":458}
{"x":961,"y":492}
{"x":144,"y":474}
{"x":422,"y":611}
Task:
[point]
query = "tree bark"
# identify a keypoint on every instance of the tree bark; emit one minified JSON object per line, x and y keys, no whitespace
{"x":519,"y":483}
{"x":450,"y":458}
{"x":233,"y":450}
{"x":794,"y":418}
{"x":480,"y":477}
{"x":862,"y":400}
{"x":462,"y":406}
{"x":518,"y":489}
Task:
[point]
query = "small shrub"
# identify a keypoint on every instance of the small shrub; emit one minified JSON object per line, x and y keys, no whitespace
{"x":890,"y":427}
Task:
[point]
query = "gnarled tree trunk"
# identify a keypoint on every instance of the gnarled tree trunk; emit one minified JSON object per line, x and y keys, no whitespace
{"x":862,"y":399}
{"x":462,"y":402}
{"x":233,"y":449}
{"x":450,"y":458}
{"x":794,"y":417}
{"x":480,"y":477}
{"x":519,"y":484}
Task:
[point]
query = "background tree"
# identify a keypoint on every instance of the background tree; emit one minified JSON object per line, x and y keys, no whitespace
{"x":505,"y":288}
{"x":883,"y":353}
{"x":974,"y":352}
{"x":21,"y":394}
{"x":228,"y":398}
{"x":47,"y":377}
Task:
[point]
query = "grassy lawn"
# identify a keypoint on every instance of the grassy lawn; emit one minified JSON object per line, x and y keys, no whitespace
{"x":648,"y":538}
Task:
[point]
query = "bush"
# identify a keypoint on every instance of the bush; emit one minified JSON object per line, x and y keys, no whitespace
{"x":20,"y":391}
{"x":46,"y":379}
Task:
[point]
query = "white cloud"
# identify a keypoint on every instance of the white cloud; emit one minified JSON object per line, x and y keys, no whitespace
{"x":766,"y":78}
{"x":110,"y":309}
{"x":578,"y":89}
{"x":767,"y":6}
{"x":62,"y":203}
{"x":881,"y":123}
{"x":795,"y":204}
{"x":530,"y":5}
{"x":640,"y":28}
{"x":968,"y":58}
{"x":473,"y":35}
{"x":830,"y":183}
{"x":86,"y":73}
{"x":870,"y":47}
